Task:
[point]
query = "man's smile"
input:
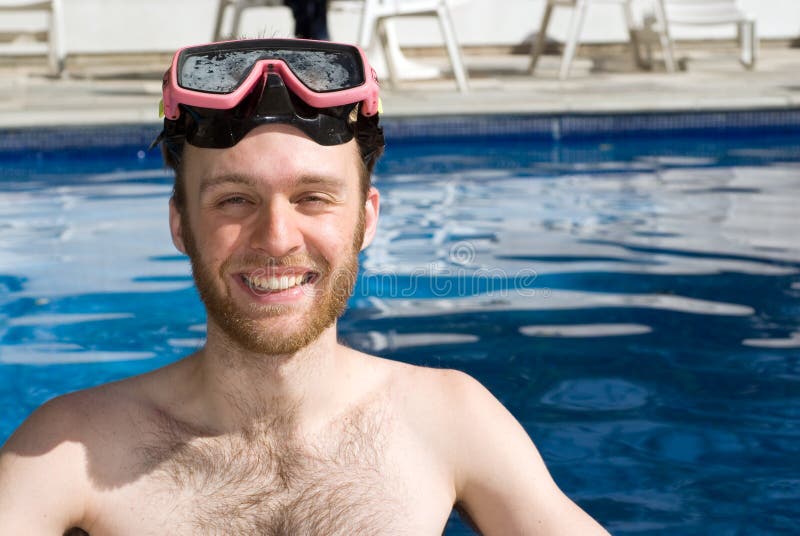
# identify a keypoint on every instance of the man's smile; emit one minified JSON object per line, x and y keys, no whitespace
{"x":287,"y":283}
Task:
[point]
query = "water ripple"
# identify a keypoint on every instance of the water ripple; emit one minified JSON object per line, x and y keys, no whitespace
{"x":596,"y":394}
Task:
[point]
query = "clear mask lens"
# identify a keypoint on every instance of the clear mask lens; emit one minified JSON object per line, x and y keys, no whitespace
{"x":221,"y":71}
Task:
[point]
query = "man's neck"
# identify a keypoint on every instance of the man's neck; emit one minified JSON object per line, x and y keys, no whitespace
{"x":241,"y":390}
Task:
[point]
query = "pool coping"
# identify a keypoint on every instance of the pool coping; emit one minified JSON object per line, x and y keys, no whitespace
{"x":541,"y":127}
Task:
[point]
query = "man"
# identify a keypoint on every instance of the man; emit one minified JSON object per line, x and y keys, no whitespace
{"x":273,"y":427}
{"x":310,"y":18}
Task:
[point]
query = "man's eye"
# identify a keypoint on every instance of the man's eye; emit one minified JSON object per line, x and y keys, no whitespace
{"x":313,"y":199}
{"x":233,"y":200}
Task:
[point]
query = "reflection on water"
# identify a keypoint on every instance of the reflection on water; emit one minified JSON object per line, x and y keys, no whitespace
{"x":634,"y":304}
{"x":596,"y":394}
{"x":586,"y":330}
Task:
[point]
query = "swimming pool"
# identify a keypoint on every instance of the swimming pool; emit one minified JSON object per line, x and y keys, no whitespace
{"x":634,"y":302}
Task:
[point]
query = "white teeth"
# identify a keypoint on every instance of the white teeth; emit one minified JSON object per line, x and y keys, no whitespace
{"x":274,"y":283}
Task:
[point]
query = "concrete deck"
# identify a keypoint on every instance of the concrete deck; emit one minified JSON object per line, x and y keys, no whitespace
{"x":126,"y":89}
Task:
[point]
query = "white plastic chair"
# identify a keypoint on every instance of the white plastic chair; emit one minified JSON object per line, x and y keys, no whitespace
{"x":375,"y":31}
{"x":54,"y":47}
{"x":579,"y":9}
{"x":716,"y":13}
{"x":405,"y":68}
{"x":376,"y":19}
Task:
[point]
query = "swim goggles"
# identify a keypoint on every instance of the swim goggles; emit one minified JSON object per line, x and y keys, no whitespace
{"x":214,"y":94}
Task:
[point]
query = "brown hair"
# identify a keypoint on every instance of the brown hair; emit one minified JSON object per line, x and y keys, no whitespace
{"x":366,"y":130}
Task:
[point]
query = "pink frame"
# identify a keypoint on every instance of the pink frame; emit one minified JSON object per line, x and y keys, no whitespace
{"x":174,"y":94}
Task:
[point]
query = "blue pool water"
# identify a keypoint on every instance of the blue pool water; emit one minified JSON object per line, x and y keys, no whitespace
{"x":634,"y":303}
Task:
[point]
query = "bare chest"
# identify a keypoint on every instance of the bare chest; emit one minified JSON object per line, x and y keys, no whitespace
{"x":369,"y":480}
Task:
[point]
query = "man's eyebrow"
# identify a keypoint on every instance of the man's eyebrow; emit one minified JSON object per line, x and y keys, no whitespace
{"x":319,"y":180}
{"x":211,"y":182}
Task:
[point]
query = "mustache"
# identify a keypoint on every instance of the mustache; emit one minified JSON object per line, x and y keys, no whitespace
{"x":255,"y":261}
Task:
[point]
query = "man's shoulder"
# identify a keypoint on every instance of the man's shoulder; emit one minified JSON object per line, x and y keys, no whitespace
{"x":422,"y":383}
{"x":71,"y":421}
{"x":49,"y":425}
{"x":437,"y":401}
{"x":44,"y":457}
{"x":52,"y":461}
{"x":443,"y":385}
{"x":67,"y":418}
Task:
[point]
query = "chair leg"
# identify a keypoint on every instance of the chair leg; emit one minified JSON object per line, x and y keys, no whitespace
{"x":368,"y":23}
{"x":453,"y":50}
{"x":633,"y":34}
{"x":238,"y":7}
{"x":222,"y":6}
{"x":541,"y":38}
{"x":57,"y":53}
{"x":576,"y":23}
{"x":667,"y":47}
{"x":385,"y":35}
{"x":748,"y":42}
{"x":390,"y":47}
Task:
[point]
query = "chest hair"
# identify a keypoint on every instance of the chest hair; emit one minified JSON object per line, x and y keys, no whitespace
{"x":264,"y":481}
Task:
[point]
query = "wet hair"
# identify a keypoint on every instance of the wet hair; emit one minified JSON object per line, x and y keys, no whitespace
{"x":366,"y":131}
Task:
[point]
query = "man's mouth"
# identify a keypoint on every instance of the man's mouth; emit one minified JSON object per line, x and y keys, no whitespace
{"x":264,"y":283}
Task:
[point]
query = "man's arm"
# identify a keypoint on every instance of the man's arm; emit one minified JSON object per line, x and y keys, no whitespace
{"x":501,"y":480}
{"x":42,"y":482}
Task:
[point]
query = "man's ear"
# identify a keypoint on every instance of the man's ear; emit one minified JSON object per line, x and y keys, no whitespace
{"x":176,"y":226}
{"x":372,"y":209}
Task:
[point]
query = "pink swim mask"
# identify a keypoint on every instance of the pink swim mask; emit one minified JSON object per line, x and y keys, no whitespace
{"x":215,"y":94}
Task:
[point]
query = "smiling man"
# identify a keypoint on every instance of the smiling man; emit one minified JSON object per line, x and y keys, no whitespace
{"x":273,"y":427}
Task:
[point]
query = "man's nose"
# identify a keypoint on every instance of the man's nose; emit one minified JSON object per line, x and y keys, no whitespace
{"x":276,"y":232}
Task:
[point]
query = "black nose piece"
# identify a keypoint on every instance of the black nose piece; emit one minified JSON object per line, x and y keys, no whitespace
{"x":275,"y":100}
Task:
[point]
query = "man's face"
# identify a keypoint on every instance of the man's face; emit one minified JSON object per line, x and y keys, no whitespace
{"x":273,"y":227}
